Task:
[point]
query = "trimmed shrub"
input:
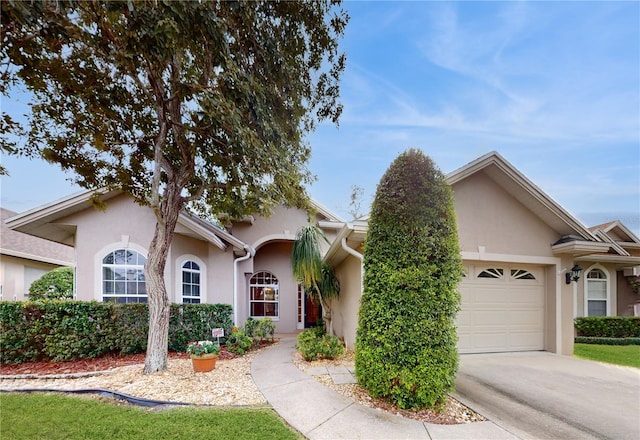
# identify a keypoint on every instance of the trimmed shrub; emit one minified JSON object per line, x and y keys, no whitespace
{"x":251,"y":326}
{"x":193,"y":322}
{"x":313,"y":345}
{"x":406,"y":339}
{"x":68,"y":330}
{"x":607,"y":341}
{"x":266,"y":329}
{"x":608,"y":326}
{"x":238,"y":342}
{"x":55,"y":284}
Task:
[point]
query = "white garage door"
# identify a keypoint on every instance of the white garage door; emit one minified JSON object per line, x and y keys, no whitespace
{"x":502,"y":309}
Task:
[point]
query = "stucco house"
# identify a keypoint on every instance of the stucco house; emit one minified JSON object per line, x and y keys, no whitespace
{"x":246,"y":265}
{"x":518,"y":245}
{"x":25,"y":258}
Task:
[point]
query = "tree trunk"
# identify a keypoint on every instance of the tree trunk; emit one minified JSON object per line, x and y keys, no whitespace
{"x":326,"y":315}
{"x":157,"y":343}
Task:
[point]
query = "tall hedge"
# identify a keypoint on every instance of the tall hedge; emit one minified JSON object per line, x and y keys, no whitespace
{"x":69,"y":330}
{"x":406,"y":339}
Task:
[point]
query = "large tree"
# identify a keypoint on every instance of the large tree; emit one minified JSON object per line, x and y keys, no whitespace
{"x":406,"y":339}
{"x":176,"y":103}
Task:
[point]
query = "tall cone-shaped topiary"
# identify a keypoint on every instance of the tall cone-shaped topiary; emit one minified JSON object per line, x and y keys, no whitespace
{"x":406,"y":340}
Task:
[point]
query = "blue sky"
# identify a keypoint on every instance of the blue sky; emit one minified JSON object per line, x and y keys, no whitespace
{"x":552,"y":86}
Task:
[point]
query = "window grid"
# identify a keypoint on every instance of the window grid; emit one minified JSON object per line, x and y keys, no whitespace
{"x":123,"y":277}
{"x":191,"y":282}
{"x":264,"y":295}
{"x":596,"y":293}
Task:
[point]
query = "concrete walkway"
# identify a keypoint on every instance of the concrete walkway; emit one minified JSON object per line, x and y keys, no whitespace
{"x":318,"y":412}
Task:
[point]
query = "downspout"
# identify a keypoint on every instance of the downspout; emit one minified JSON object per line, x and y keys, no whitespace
{"x":356,"y":254}
{"x":249,"y":253}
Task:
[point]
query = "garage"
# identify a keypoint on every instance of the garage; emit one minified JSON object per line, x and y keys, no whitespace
{"x":502,"y":308}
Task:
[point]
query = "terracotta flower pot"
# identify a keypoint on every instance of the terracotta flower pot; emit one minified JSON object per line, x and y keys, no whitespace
{"x":204,"y":363}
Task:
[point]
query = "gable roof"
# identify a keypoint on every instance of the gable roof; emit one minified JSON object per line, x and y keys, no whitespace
{"x":498,"y":169}
{"x":21,"y":245}
{"x":617,"y":231}
{"x":41,"y":221}
{"x":326,"y":212}
{"x":577,"y":240}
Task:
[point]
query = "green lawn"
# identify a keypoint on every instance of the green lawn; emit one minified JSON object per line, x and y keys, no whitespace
{"x":55,"y":416}
{"x":627,"y":355}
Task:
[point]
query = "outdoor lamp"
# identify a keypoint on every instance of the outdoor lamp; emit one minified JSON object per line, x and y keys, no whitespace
{"x":574,"y":275}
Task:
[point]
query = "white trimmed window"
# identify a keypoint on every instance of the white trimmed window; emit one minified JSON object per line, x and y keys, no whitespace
{"x":191,"y":286}
{"x":123,"y":277}
{"x":597,"y":293}
{"x":264,"y":295}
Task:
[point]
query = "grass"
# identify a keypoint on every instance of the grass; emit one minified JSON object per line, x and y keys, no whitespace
{"x":50,"y":417}
{"x":626,"y":355}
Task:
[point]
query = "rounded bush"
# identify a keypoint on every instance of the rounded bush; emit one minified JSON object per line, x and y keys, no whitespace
{"x":406,"y":340}
{"x":55,"y":284}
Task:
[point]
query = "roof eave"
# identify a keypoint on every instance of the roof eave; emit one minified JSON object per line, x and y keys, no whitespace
{"x":578,"y":248}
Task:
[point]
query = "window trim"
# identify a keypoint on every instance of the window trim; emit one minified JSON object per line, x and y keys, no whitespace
{"x":607,"y":281}
{"x":277,"y":301}
{"x":178,"y":280}
{"x":98,"y":265}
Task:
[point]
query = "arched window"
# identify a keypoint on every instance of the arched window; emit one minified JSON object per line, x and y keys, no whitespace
{"x":264,"y":295}
{"x":597,"y":293}
{"x":123,"y":277}
{"x":191,"y":282}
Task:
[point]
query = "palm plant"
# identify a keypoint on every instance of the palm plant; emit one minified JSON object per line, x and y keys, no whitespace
{"x":317,"y":278}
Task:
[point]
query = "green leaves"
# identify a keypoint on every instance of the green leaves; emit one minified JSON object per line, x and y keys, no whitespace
{"x":226,"y":91}
{"x":306,"y":260}
{"x":406,"y":340}
{"x":55,"y":284}
{"x":67,"y":330}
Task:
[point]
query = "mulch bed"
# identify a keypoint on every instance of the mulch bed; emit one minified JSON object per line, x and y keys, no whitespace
{"x":101,"y":363}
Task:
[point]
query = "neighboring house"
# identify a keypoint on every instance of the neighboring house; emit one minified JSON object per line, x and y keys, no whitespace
{"x":517,"y":247}
{"x":24,"y":259}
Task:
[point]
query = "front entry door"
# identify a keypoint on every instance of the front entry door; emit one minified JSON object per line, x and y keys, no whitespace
{"x":311,"y":312}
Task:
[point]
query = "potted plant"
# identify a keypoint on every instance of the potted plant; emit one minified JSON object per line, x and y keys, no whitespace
{"x":204,"y":355}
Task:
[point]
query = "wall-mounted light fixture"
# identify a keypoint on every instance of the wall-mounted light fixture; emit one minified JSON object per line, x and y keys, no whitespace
{"x":574,"y":275}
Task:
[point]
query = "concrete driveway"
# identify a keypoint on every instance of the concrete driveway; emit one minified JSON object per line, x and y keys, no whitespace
{"x":544,"y":395}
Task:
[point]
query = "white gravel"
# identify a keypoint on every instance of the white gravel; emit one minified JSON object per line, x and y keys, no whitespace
{"x":229,"y":384}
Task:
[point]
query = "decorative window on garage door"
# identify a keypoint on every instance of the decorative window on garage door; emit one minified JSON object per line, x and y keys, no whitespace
{"x":492,"y":272}
{"x":521,"y":274}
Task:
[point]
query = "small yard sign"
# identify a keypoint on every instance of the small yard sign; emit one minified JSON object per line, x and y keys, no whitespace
{"x":217,"y":332}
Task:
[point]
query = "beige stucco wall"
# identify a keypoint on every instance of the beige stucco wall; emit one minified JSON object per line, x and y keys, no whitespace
{"x":493,"y":226}
{"x":17,"y":274}
{"x":345,"y":309}
{"x":626,"y":296}
{"x":282,"y":224}
{"x":125,"y":224}
{"x":489,"y":216}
